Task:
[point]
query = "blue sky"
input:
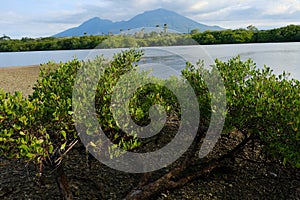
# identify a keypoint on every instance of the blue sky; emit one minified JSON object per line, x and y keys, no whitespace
{"x":40,"y":18}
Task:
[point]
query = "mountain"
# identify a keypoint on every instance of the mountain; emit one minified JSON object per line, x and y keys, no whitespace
{"x":174,"y":21}
{"x":94,"y":26}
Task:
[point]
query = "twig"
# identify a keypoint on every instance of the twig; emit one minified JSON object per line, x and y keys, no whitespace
{"x":58,"y":160}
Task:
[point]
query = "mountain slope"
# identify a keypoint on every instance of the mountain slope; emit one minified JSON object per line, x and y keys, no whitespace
{"x":174,"y":21}
{"x":94,"y":26}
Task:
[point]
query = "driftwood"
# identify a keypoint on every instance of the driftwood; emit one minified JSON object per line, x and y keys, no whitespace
{"x":146,"y":189}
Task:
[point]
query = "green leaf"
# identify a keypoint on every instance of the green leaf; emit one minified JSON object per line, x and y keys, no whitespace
{"x":51,"y":149}
{"x":22,"y":133}
{"x":30,"y":155}
{"x":64,"y":134}
{"x":70,"y":112}
{"x":63,"y":146}
{"x":93,"y":144}
{"x":17,"y":127}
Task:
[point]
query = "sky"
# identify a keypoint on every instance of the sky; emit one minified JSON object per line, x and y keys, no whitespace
{"x":42,"y":18}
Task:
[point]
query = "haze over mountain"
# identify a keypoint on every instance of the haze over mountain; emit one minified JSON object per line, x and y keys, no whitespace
{"x":174,"y":21}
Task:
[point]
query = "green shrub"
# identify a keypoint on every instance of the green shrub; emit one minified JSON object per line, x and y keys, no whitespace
{"x":265,"y":106}
{"x":21,"y":132}
{"x":35,"y":126}
{"x":259,"y":104}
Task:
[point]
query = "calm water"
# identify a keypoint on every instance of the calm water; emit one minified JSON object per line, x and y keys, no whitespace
{"x":279,"y":56}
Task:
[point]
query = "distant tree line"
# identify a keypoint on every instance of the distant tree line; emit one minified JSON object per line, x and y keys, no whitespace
{"x":289,"y":33}
{"x":49,"y":43}
{"x":146,"y":40}
{"x":138,"y":39}
{"x":251,"y":34}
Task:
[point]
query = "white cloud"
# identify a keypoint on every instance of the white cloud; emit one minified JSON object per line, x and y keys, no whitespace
{"x":10,"y":17}
{"x":282,"y":7}
{"x":45,"y":18}
{"x":199,"y":5}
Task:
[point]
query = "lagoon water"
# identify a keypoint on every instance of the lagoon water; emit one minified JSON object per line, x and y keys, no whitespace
{"x":279,"y":56}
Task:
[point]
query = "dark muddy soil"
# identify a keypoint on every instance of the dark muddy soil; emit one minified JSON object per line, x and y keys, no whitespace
{"x":248,"y":176}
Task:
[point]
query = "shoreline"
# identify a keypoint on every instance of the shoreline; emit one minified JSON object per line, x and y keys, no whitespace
{"x":19,"y":78}
{"x":19,"y":67}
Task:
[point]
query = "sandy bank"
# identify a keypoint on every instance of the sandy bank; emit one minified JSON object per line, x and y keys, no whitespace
{"x":19,"y":78}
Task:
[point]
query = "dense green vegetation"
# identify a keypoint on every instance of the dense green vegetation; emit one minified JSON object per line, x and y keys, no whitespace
{"x":289,"y":33}
{"x":91,"y":42}
{"x":34,"y":127}
{"x":49,"y":43}
{"x":151,"y":40}
{"x":261,"y":106}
